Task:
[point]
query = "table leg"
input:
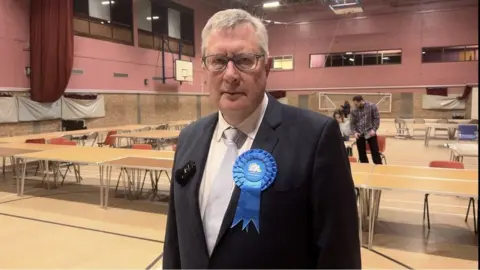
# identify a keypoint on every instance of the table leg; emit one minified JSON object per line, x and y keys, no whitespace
{"x":360,"y":215}
{"x":101,"y":171}
{"x":374,"y":200}
{"x":21,"y":181}
{"x":107,"y":189}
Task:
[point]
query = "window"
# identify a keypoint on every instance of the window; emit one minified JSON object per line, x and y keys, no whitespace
{"x":450,"y":54}
{"x":283,"y":62}
{"x":104,"y":19}
{"x":165,"y":24}
{"x":350,"y":59}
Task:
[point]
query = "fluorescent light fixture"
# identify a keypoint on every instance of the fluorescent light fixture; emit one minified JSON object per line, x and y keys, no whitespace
{"x":155,"y":17}
{"x":350,"y":59}
{"x":348,"y":53}
{"x":386,"y":58}
{"x":108,"y":2}
{"x":149,"y":18}
{"x":271,"y":4}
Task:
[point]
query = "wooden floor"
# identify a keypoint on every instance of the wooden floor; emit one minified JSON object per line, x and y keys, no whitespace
{"x":65,"y":228}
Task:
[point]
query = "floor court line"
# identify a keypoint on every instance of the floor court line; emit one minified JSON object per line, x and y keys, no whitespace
{"x":82,"y":228}
{"x":390,"y":258}
{"x":152,"y":264}
{"x":421,"y":211}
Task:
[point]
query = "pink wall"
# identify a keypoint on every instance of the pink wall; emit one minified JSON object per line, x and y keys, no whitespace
{"x":98,"y":59}
{"x":14,"y":37}
{"x":409,"y":32}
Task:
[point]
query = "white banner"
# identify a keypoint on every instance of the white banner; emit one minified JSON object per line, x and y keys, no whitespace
{"x":450,"y":102}
{"x":29,"y":110}
{"x":8,"y":110}
{"x":83,"y":108}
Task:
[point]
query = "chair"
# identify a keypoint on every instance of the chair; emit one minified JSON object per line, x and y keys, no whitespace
{"x":448,"y":165}
{"x":352,"y":159}
{"x":76,"y":168}
{"x":92,"y":136}
{"x":162,"y":127}
{"x":467,"y":132}
{"x":382,"y":145}
{"x":109,"y":140}
{"x":403,"y":132}
{"x":37,"y":141}
{"x":418,"y":125}
{"x":441,"y":121}
{"x":473,"y":122}
{"x":140,"y":146}
{"x":57,"y":140}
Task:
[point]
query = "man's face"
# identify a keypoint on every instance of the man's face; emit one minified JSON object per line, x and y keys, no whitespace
{"x":233,"y":89}
{"x":357,"y":104}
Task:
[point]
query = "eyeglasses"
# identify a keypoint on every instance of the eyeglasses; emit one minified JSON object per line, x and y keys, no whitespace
{"x":245,"y":62}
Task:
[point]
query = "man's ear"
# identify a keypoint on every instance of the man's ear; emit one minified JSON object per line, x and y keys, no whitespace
{"x":268,"y":65}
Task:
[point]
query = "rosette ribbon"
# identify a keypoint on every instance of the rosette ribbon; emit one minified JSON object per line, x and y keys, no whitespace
{"x":253,"y":172}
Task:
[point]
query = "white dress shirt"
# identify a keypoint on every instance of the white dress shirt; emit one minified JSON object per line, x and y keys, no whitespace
{"x":218,"y":149}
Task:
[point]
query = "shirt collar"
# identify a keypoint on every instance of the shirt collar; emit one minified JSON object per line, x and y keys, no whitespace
{"x":249,"y":126}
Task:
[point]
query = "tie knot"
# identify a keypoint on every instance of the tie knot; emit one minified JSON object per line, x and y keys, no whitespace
{"x":231,"y":135}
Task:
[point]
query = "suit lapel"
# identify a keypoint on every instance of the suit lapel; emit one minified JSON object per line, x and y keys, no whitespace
{"x":199,"y":154}
{"x":266,"y":139}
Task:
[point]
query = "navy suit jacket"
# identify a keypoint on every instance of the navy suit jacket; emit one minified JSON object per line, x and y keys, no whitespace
{"x":308,"y":216}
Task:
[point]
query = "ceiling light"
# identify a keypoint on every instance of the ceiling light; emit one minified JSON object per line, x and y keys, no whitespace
{"x":155,"y":17}
{"x":350,"y":59}
{"x":423,"y":52}
{"x":386,"y":58}
{"x":348,"y":53}
{"x":149,"y":18}
{"x":108,"y":2}
{"x":271,"y":4}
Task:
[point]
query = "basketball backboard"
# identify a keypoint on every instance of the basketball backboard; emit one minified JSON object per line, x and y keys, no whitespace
{"x":183,"y":71}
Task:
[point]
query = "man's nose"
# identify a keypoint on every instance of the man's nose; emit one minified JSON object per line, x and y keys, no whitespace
{"x":231,"y":74}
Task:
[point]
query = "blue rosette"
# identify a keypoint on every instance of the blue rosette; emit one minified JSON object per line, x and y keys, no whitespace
{"x":253,"y":172}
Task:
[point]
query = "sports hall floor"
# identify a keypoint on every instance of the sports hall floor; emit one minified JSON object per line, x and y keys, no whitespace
{"x":65,"y":228}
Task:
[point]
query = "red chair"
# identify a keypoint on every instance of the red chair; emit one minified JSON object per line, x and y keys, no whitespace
{"x":446,"y":164}
{"x":37,"y":141}
{"x":138,"y":146}
{"x":109,"y":140}
{"x":449,"y":165}
{"x":57,"y":141}
{"x":382,"y":145}
{"x":142,"y":146}
{"x":352,"y":159}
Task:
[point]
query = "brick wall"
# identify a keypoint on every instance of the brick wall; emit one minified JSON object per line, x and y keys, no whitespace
{"x":124,"y":109}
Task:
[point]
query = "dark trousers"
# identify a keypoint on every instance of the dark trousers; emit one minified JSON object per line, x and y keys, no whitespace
{"x":362,"y":150}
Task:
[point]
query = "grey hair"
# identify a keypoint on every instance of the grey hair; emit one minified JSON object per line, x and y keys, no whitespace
{"x":231,"y":18}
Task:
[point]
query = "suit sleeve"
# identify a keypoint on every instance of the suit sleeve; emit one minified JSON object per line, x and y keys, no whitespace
{"x":171,"y":253}
{"x":333,"y":202}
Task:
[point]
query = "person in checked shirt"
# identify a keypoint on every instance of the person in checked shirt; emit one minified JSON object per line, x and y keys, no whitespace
{"x":364,"y":121}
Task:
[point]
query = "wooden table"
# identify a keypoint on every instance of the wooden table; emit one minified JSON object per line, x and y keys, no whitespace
{"x":460,"y":150}
{"x":179,"y":124}
{"x":462,"y":183}
{"x":58,"y":134}
{"x":91,"y":156}
{"x":157,"y":136}
{"x":136,"y":165}
{"x":429,"y":126}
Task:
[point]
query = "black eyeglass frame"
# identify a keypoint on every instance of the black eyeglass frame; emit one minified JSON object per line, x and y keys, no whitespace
{"x":232,"y":59}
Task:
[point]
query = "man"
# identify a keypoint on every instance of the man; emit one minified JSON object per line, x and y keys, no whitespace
{"x":307,"y":217}
{"x":365,"y":121}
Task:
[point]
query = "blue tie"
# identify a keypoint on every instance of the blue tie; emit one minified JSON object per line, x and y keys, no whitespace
{"x":221,"y":190}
